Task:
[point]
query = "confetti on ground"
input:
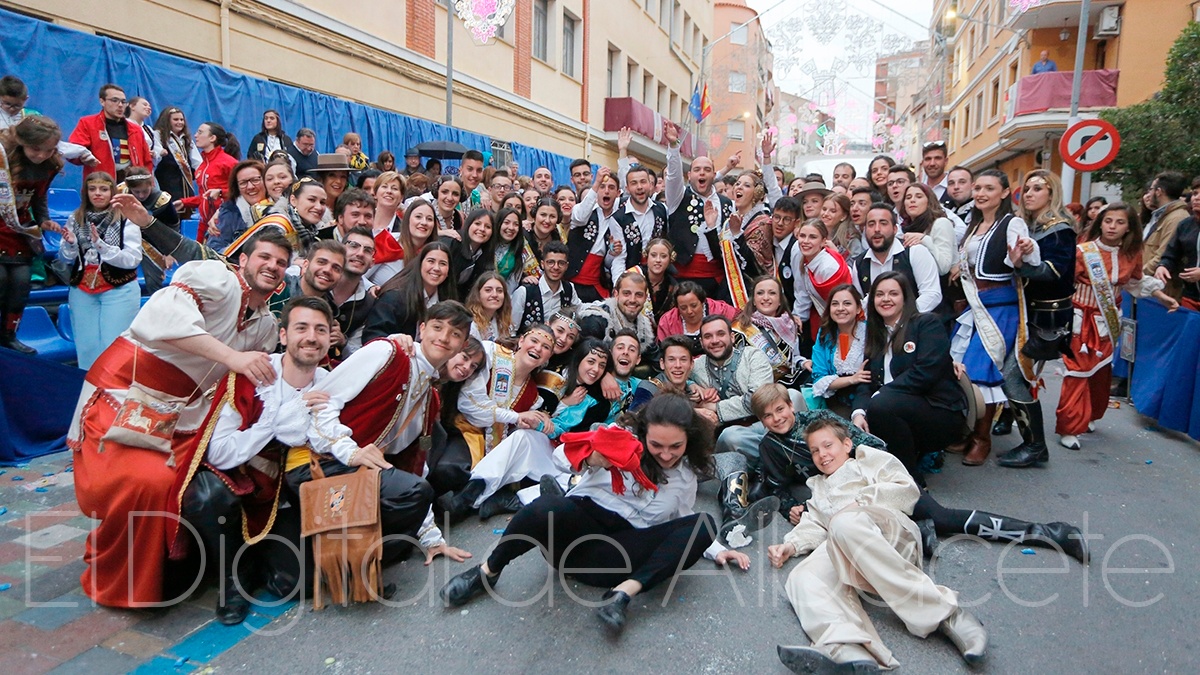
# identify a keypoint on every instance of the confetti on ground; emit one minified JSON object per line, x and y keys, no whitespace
{"x":3,"y":510}
{"x":464,"y":612}
{"x":180,"y":661}
{"x":330,"y":661}
{"x":497,"y":531}
{"x":5,"y":587}
{"x":1028,"y":551}
{"x":1149,"y":461}
{"x":3,"y":471}
{"x":45,"y":475}
{"x":69,"y":469}
{"x":41,"y":484}
{"x":18,"y":478}
{"x":41,"y":489}
{"x":1116,"y":405}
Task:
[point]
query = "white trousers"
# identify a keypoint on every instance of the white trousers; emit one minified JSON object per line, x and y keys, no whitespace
{"x":524,"y":454}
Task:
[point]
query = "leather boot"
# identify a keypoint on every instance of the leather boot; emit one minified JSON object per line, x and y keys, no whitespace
{"x":9,"y":340}
{"x":549,"y":486}
{"x":995,"y":527}
{"x":1004,"y":423}
{"x":467,"y":585}
{"x":757,"y":516}
{"x":981,"y":439}
{"x":460,"y":504}
{"x":1033,"y":451}
{"x":844,"y":658}
{"x":215,"y":512}
{"x":613,"y":613}
{"x":967,"y":634}
{"x":734,"y":492}
{"x":504,"y":501}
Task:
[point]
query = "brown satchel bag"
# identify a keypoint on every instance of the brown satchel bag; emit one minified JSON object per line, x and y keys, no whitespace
{"x":341,"y":514}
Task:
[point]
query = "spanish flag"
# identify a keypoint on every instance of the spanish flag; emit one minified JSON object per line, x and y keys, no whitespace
{"x":700,"y":106}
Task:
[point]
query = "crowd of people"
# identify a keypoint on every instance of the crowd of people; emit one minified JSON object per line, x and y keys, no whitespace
{"x":580,"y":355}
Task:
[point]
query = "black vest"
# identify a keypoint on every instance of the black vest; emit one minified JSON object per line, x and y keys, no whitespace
{"x":990,"y":266}
{"x":579,"y":243}
{"x":535,"y":309}
{"x":900,"y":263}
{"x":787,"y":275}
{"x":632,"y":232}
{"x":685,"y":223}
{"x":117,"y":276}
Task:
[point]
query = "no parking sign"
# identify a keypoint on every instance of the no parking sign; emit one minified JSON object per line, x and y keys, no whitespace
{"x":1089,"y":145}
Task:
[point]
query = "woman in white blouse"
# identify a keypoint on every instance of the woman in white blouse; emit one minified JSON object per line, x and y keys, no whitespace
{"x":491,"y":305}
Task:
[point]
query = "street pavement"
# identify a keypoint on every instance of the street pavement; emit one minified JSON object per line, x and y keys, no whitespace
{"x":1131,"y":611}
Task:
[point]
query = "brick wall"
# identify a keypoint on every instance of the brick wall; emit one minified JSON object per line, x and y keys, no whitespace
{"x":523,"y":51}
{"x":420,"y":27}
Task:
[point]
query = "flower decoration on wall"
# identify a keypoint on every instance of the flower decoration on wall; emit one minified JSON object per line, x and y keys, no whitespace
{"x":483,"y":17}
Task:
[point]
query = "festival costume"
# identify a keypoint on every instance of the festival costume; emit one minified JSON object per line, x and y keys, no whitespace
{"x":91,"y":132}
{"x":174,"y":172}
{"x":602,"y":320}
{"x":777,"y":338}
{"x":214,"y":172}
{"x":111,"y":478}
{"x":841,"y":356}
{"x":825,"y":272}
{"x":23,"y":207}
{"x":1101,"y":273}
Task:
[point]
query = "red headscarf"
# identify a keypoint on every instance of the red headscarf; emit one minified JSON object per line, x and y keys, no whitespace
{"x":615,"y":444}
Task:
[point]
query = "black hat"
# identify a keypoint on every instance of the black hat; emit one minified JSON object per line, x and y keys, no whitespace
{"x":412,"y":152}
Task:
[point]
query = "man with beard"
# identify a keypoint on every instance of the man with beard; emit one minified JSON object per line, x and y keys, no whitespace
{"x":626,"y":309}
{"x":843,"y":174}
{"x":581,"y":175}
{"x":543,"y":180}
{"x":209,"y":321}
{"x":697,"y":243}
{"x":501,"y":398}
{"x":639,"y":219}
{"x":234,"y":469}
{"x":380,"y":414}
{"x":352,"y":297}
{"x":595,"y":232}
{"x":887,"y":253}
{"x":354,"y":208}
{"x":933,"y":164}
{"x":534,"y":303}
{"x":319,"y":273}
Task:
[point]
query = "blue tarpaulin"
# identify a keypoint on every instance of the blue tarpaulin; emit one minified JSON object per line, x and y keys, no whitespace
{"x":1166,"y":375}
{"x":37,"y":400}
{"x":64,"y":69}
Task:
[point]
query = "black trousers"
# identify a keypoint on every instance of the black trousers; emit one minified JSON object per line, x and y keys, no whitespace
{"x":911,"y":427}
{"x":449,"y":460}
{"x":215,"y":511}
{"x":14,"y":291}
{"x":404,"y":501}
{"x":654,"y":553}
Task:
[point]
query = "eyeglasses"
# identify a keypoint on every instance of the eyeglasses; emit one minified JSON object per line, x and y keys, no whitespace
{"x":896,"y":182}
{"x":354,"y":246}
{"x":501,"y":186}
{"x":783,"y":220}
{"x":554,"y":263}
{"x":14,"y":104}
{"x":116,"y":100}
{"x":250,"y":181}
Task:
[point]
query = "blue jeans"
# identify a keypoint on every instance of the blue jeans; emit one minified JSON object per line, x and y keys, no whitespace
{"x":98,"y":319}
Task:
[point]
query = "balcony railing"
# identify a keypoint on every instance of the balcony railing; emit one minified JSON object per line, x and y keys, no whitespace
{"x":627,"y":112}
{"x":1046,"y":92}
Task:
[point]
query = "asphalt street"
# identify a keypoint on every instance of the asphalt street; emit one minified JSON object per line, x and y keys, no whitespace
{"x":1133,"y":610}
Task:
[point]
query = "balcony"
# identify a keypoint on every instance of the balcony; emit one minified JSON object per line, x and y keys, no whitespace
{"x":1059,"y":14}
{"x":1041,"y":103}
{"x":644,"y":121}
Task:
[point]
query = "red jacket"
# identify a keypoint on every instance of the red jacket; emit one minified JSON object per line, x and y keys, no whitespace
{"x":91,"y":134}
{"x":213,"y":174}
{"x":672,"y":324}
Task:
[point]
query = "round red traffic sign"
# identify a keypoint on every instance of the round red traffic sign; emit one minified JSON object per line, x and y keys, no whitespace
{"x":1089,"y":145}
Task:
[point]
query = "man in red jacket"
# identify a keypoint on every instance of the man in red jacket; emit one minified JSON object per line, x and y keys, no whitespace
{"x":114,"y":140}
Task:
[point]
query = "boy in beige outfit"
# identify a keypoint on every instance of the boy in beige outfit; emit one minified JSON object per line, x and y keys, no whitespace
{"x":859,"y":537}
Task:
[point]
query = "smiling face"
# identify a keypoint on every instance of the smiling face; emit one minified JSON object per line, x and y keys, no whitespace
{"x":676,"y":364}
{"x":322,"y":271}
{"x":510,"y":227}
{"x":564,"y":336}
{"x":716,"y":340}
{"x":780,"y":416}
{"x":422,"y":223}
{"x":530,"y":199}
{"x":545,"y":221}
{"x":592,"y":367}
{"x":178,"y":122}
{"x":829,"y":452}
{"x":831,"y":213}
{"x":462,"y":366}
{"x":626,"y":355}
{"x":988,"y":193}
{"x":554,"y":265}
{"x":480,"y":230}
{"x":581,"y":177}
{"x":879,"y":173}
{"x":306,"y":337}
{"x":842,"y":175}
{"x":543,"y":180}
{"x":701,"y":175}
{"x":667,"y":443}
{"x":471,"y":172}
{"x":744,"y":194}
{"x":262,"y":268}
{"x":310,"y":204}
{"x":335,"y":183}
{"x":492,"y":295}
{"x":279,"y":179}
{"x":766,"y":297}
{"x":810,"y":240}
{"x":448,"y":196}
{"x":658,"y":258}
{"x":435,"y":267}
{"x":812,"y":204}
{"x":250,"y":185}
{"x":440,"y":340}
{"x":566,"y":200}
{"x":958,"y":184}
{"x":360,"y":254}
{"x":631,"y":298}
{"x":389,"y":195}
{"x":534,"y":349}
{"x":355,"y":215}
{"x":889,"y":300}
{"x":639,"y":186}
{"x":844,"y":309}
{"x":933,"y":162}
{"x":501,"y":185}
{"x":141,"y":110}
{"x":915,"y":201}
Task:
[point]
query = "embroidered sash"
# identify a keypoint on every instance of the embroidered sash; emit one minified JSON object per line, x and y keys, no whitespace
{"x":1102,"y":287}
{"x":760,"y":339}
{"x":985,"y":326}
{"x":733,"y":270}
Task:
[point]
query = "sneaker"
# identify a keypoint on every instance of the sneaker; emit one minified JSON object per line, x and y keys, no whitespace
{"x":1070,"y":442}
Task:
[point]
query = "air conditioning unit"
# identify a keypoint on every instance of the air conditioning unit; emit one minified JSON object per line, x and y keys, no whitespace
{"x":1110,"y":22}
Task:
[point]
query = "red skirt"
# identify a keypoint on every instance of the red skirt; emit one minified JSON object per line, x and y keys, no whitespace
{"x":590,"y":273}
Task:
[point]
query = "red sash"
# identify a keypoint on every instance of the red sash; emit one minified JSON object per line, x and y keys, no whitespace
{"x":589,"y":274}
{"x":114,"y":370}
{"x":700,"y":267}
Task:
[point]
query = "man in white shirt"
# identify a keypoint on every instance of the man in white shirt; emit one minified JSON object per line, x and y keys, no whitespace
{"x":352,"y":296}
{"x":536,"y":303}
{"x":594,"y":232}
{"x":887,"y":253}
{"x":933,"y":163}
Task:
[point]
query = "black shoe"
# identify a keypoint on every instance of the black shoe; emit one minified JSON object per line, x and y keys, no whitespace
{"x":613,"y":614}
{"x":733,"y":495}
{"x":389,"y":591}
{"x":756,"y":517}
{"x":11,"y":342}
{"x":234,"y":609}
{"x":1004,"y":424}
{"x":814,"y":661}
{"x":1025,"y":455}
{"x":504,"y":501}
{"x":929,"y":539}
{"x":550,"y":487}
{"x":465,"y":586}
{"x":460,"y":504}
{"x":1068,"y":537}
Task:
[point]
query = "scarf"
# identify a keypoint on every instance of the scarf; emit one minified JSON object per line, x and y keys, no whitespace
{"x":107,"y":227}
{"x":783,"y":326}
{"x":615,"y":444}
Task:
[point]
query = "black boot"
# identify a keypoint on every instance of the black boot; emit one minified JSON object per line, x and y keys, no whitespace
{"x":757,"y":516}
{"x":10,"y":341}
{"x":460,"y":504}
{"x":853,"y":658}
{"x":467,"y":585}
{"x":1033,"y":451}
{"x":504,"y":501}
{"x":613,"y":613}
{"x":734,"y":492}
{"x":549,"y":486}
{"x":995,"y":527}
{"x":215,"y":512}
{"x":929,"y":539}
{"x":1004,"y":423}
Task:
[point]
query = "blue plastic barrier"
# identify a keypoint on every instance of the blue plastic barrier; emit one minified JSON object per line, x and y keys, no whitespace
{"x":38,"y":331}
{"x":64,"y":322}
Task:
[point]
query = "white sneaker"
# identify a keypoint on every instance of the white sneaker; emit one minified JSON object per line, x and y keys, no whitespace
{"x":1091,"y":426}
{"x":1069,"y":442}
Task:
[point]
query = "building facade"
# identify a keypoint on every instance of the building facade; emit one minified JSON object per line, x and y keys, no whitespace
{"x":997,"y":113}
{"x":741,"y":83}
{"x":545,"y":80}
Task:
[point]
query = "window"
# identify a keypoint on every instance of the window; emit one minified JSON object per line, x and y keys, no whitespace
{"x":966,"y":124}
{"x":736,"y":130}
{"x":738,"y":33}
{"x":500,"y":33}
{"x":676,"y":29}
{"x":541,"y":28}
{"x":570,"y":26}
{"x":971,"y":49}
{"x":1013,"y":72}
{"x":650,"y":7}
{"x":686,"y":38}
{"x":995,"y":109}
{"x":978,"y":128}
{"x":664,"y":100}
{"x":649,"y":91}
{"x":631,"y":79}
{"x":664,"y":15}
{"x":696,"y":42}
{"x":737,"y":82}
{"x":614,"y":58}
